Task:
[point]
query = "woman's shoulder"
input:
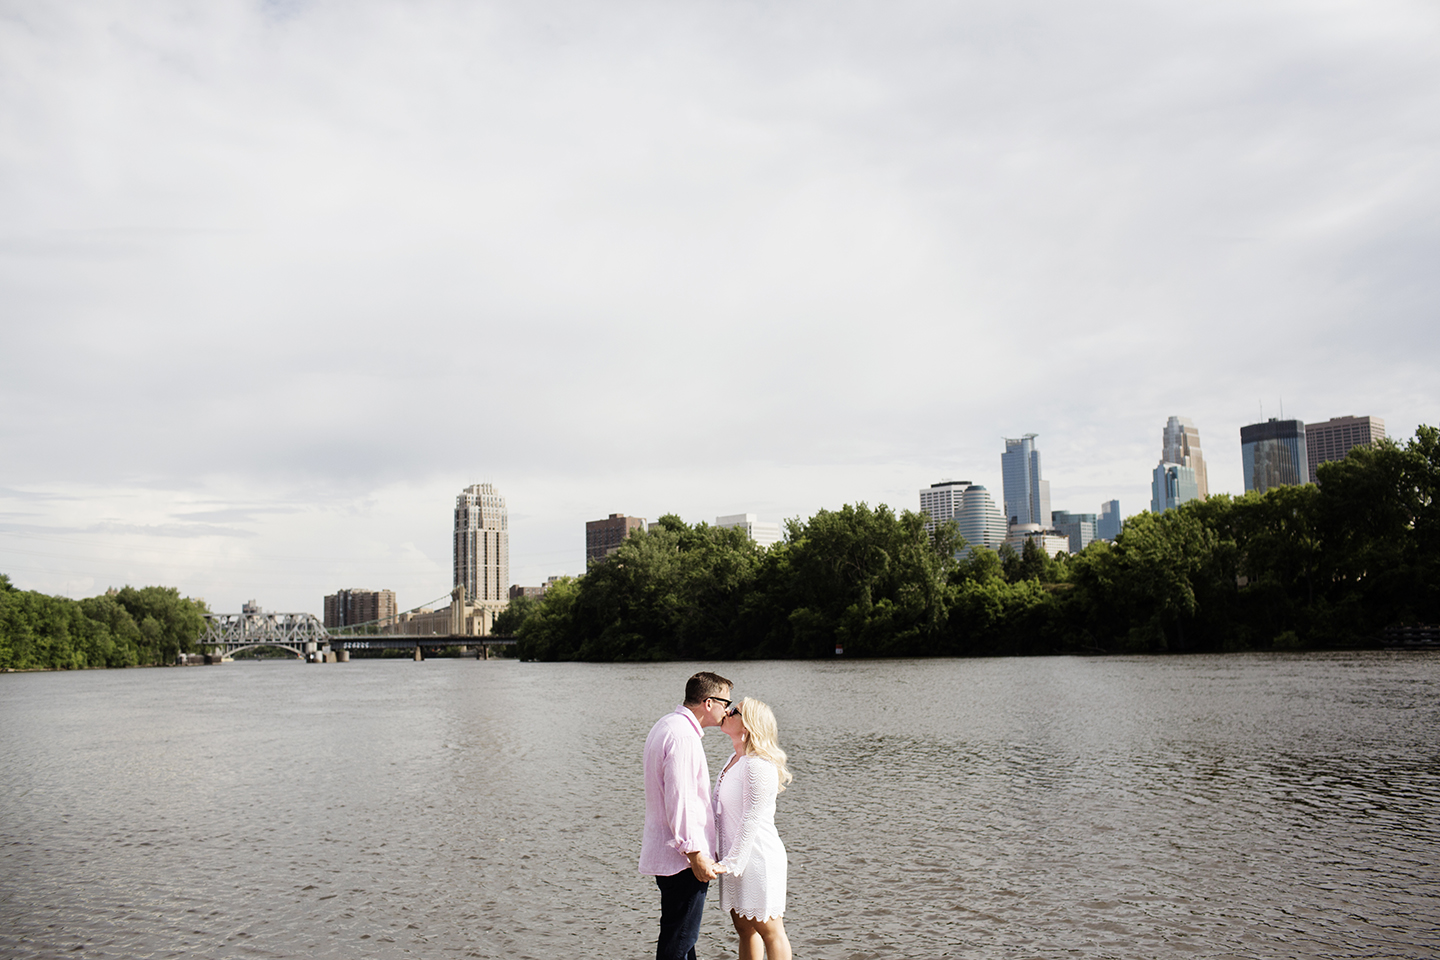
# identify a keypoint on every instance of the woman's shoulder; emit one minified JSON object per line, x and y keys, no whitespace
{"x":760,"y":768}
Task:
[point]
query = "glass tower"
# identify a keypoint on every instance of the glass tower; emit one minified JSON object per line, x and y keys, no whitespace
{"x":1081,"y":528}
{"x":1273,"y":454}
{"x":1110,"y":522}
{"x":1027,"y":496}
{"x":1171,"y":485}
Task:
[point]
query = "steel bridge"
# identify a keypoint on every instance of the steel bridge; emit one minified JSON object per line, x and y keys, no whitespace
{"x":230,"y":633}
{"x":307,"y":638}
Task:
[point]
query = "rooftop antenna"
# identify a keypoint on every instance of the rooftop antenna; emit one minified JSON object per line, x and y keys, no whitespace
{"x":1282,"y":407}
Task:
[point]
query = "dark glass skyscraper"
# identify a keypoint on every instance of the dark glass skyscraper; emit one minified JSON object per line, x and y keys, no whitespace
{"x":1273,"y":454}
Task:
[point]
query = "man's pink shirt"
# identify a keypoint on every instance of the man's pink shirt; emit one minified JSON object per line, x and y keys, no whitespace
{"x":678,"y":815}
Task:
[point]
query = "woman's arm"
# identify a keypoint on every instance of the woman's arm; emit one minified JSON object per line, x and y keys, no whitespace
{"x":757,"y":805}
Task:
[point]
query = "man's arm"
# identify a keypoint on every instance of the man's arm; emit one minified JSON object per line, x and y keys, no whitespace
{"x":685,"y":812}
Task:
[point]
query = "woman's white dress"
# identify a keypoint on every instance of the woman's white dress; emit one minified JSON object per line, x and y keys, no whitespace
{"x":751,"y":852}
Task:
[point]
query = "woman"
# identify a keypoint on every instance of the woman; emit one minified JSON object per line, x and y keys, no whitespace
{"x":752,"y":888}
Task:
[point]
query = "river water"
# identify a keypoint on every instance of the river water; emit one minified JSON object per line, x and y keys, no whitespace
{"x":1218,"y":806}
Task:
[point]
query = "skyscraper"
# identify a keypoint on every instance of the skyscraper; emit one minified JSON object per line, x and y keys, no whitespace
{"x":942,"y":501}
{"x":1181,"y":445}
{"x":1171,"y":485}
{"x":1273,"y":454}
{"x":482,"y":544}
{"x":1027,"y":496}
{"x":1335,"y":437}
{"x":1079,"y":527}
{"x":981,"y":523}
{"x":1110,"y":522}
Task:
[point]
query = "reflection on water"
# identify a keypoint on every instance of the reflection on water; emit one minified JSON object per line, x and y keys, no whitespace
{"x":1241,"y":806}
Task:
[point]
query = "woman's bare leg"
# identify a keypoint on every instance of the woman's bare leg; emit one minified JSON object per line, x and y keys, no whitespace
{"x":772,"y":933}
{"x":751,"y":945}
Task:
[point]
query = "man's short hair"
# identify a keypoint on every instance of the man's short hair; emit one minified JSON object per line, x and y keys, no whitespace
{"x":705,"y":685}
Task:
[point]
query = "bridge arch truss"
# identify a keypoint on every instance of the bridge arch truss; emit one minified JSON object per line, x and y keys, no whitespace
{"x":297,"y":632}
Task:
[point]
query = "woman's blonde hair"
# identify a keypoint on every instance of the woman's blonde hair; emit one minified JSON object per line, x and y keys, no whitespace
{"x":761,"y":739}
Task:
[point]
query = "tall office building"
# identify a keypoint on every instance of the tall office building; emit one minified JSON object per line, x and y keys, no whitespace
{"x":482,"y":544}
{"x":603,"y":537}
{"x":942,"y":501}
{"x":1171,"y":485}
{"x":1079,"y":527}
{"x":1027,"y":496}
{"x":1273,"y":454}
{"x":765,"y":533}
{"x":1108,"y":526}
{"x":969,"y":504}
{"x":347,"y":608}
{"x":1335,"y":437}
{"x":980,"y":520}
{"x":1181,"y":445}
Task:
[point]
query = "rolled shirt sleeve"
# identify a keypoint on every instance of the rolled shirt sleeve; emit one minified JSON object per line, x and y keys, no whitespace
{"x":687,"y":814}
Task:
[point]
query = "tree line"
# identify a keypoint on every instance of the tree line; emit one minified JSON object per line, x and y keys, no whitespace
{"x":1321,"y":565}
{"x":120,"y":628}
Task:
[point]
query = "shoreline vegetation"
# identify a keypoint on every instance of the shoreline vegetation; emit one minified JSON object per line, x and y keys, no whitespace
{"x":129,"y":627}
{"x":1327,"y":566}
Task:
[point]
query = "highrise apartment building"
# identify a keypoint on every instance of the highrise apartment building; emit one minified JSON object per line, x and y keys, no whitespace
{"x":603,"y":537}
{"x":969,"y":504}
{"x":358,"y":605}
{"x":1335,"y":437}
{"x":1027,"y":495}
{"x":1181,"y":445}
{"x":765,"y":533}
{"x":482,"y":544}
{"x":1273,"y":454}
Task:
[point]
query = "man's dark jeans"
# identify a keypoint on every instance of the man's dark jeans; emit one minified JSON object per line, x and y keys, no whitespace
{"x":682,"y":901}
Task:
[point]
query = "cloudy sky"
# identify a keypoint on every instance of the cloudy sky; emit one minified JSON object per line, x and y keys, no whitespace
{"x":278,"y":279}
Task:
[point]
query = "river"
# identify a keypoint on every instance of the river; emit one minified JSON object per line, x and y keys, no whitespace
{"x":1206,"y":806}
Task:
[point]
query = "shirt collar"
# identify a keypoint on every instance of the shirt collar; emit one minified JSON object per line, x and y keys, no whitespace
{"x":689,"y":715}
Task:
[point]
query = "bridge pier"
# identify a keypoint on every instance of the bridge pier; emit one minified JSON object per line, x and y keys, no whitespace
{"x":342,"y":656}
{"x":419,"y":654}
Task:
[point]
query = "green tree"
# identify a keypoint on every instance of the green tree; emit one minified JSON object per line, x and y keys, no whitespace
{"x":508,"y":621}
{"x":866,"y":579}
{"x":169,"y":624}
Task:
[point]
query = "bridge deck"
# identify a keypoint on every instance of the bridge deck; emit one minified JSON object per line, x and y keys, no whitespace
{"x":383,"y":642}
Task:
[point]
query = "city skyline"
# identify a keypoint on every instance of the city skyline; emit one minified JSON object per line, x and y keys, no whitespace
{"x":263,"y":267}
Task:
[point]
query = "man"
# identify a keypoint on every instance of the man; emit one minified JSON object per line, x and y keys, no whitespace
{"x":679,"y":843}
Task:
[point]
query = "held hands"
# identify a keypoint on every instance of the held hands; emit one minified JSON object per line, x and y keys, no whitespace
{"x":703,"y":867}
